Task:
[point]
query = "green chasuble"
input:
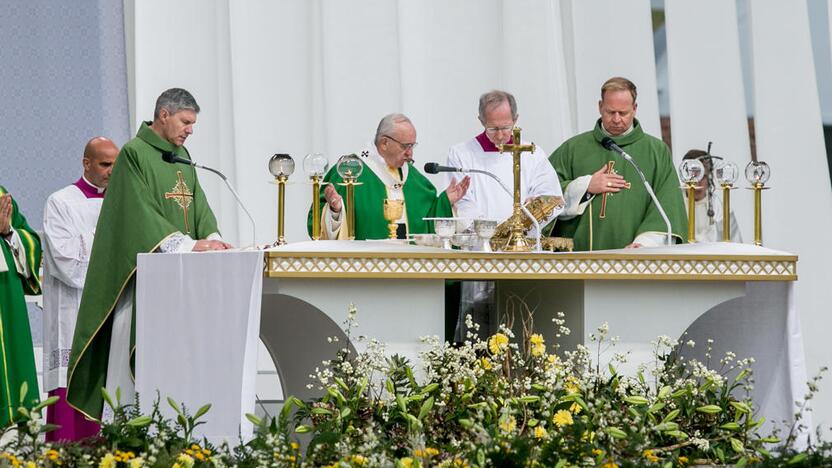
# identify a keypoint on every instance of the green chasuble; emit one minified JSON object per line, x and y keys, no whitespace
{"x":629,"y":212}
{"x":17,"y":358}
{"x":147,"y":201}
{"x":419,"y":193}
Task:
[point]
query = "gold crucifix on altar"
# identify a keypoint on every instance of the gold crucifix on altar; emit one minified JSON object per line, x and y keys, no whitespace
{"x":517,"y":241}
{"x":610,"y":170}
{"x":182,"y":196}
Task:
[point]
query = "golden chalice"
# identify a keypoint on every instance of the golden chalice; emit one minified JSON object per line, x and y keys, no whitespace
{"x":393,"y":210}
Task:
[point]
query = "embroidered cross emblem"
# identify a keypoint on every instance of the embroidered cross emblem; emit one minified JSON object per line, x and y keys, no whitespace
{"x":610,"y":170}
{"x":182,"y":196}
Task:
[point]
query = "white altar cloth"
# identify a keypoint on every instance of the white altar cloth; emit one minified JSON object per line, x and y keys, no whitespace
{"x":199,"y":315}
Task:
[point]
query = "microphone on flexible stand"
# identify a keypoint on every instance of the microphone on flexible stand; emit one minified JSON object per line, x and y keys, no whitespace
{"x":435,"y":168}
{"x":609,"y":144}
{"x":172,"y":158}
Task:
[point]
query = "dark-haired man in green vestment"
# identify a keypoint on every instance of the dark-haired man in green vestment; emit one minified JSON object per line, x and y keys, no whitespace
{"x":607,"y":206}
{"x":150,"y":206}
{"x":388,"y":173}
{"x":19,"y":264}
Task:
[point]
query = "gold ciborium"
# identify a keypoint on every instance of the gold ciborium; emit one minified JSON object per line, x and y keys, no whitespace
{"x":393,"y":210}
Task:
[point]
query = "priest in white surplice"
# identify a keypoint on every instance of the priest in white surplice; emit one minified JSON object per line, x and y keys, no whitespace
{"x":69,"y":223}
{"x":485,"y":198}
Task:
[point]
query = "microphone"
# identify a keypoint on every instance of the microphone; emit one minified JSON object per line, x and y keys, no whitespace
{"x":435,"y":168}
{"x":610,"y":145}
{"x":172,"y":158}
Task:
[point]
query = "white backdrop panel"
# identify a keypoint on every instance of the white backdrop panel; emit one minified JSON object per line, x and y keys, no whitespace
{"x":790,"y":139}
{"x":193,"y":54}
{"x":613,"y":38}
{"x":707,"y":102}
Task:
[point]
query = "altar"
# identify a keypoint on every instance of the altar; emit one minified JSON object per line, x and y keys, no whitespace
{"x":199,"y":316}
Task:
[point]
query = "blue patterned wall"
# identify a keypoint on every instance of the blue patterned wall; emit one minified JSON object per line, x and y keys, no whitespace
{"x":63,"y":80}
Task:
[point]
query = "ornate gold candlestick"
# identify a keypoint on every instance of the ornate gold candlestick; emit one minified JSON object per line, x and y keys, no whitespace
{"x":726,"y":212}
{"x":315,"y":166}
{"x":757,"y":174}
{"x":517,"y":241}
{"x":691,"y":171}
{"x":726,"y":174}
{"x":691,"y":187}
{"x":393,"y":210}
{"x":281,"y":166}
{"x":349,"y":167}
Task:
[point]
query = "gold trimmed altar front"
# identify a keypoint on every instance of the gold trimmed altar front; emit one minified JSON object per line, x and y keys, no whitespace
{"x":392,"y":259}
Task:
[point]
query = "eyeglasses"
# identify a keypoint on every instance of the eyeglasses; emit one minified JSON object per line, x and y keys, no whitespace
{"x":492,"y":130}
{"x":405,"y":146}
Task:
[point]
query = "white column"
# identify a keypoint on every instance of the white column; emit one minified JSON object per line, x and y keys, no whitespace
{"x":790,"y":139}
{"x":613,"y":38}
{"x":707,"y":102}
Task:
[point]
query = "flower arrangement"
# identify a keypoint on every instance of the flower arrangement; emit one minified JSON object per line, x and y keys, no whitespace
{"x":502,"y":401}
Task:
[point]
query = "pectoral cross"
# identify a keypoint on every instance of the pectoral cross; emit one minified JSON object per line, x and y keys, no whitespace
{"x":182,"y":196}
{"x":517,"y":239}
{"x":610,"y":170}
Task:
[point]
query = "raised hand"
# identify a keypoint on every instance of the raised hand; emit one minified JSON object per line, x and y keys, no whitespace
{"x":5,"y":214}
{"x":457,"y":190}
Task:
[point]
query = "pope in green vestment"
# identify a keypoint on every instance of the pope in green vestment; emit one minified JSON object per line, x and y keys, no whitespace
{"x":630,"y":212}
{"x":151,"y":205}
{"x":387,"y":173}
{"x":19,"y":266}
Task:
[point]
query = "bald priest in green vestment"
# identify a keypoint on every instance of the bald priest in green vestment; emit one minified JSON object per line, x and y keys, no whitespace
{"x":19,"y":264}
{"x":388,"y":173}
{"x":150,"y":206}
{"x":607,"y":206}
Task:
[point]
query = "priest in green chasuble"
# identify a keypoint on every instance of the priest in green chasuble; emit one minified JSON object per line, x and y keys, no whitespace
{"x":19,"y":264}
{"x":388,"y":173}
{"x":151,"y":206}
{"x":607,"y":206}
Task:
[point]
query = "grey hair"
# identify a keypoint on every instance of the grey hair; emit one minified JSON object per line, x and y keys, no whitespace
{"x":175,"y":100}
{"x":388,"y":122}
{"x":493,"y":99}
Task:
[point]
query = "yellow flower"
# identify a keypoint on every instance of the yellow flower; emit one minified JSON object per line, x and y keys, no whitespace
{"x":485,"y":363}
{"x":406,"y":462}
{"x":426,"y":453}
{"x":508,"y":424}
{"x":650,"y":456}
{"x":185,"y":460}
{"x":562,"y":418}
{"x":588,"y":437}
{"x":683,"y":460}
{"x":136,"y":463}
{"x":359,"y":460}
{"x":540,"y":432}
{"x":107,"y":461}
{"x":571,"y":385}
{"x":538,"y":344}
{"x":575,"y":408}
{"x":498,"y":343}
{"x":609,"y":465}
{"x":294,"y":445}
{"x":597,"y":452}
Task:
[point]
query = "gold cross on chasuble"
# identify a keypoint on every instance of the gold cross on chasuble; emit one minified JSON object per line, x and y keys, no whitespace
{"x":182,"y":196}
{"x":610,"y":170}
